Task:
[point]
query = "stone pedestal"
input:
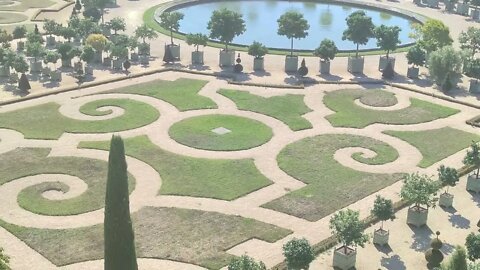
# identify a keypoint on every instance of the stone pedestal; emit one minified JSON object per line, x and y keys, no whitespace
{"x":197,"y":58}
{"x":324,"y":67}
{"x":355,"y":64}
{"x":227,"y":58}
{"x":446,"y":200}
{"x":382,"y":63}
{"x":344,"y":258}
{"x":473,"y":183}
{"x":258,"y":64}
{"x":291,"y":63}
{"x":417,"y":216}
{"x":380,"y":237}
{"x":412,"y":72}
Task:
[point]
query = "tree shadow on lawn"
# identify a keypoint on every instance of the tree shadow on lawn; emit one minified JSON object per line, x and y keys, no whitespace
{"x":394,"y":262}
{"x":422,"y":237}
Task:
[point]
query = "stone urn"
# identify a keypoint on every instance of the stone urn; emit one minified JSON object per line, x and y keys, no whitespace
{"x":417,"y":216}
{"x":412,"y":72}
{"x":324,"y":67}
{"x":382,"y":63}
{"x":258,"y":64}
{"x":175,"y":50}
{"x":380,"y":237}
{"x":473,"y":183}
{"x":227,"y":58}
{"x":446,"y":200}
{"x":197,"y":58}
{"x":355,"y":64}
{"x":344,"y":258}
{"x":291,"y":63}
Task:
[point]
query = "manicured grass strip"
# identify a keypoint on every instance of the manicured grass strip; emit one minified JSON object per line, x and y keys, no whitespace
{"x":46,"y":122}
{"x":26,"y":4}
{"x":181,"y":93}
{"x":197,"y":132}
{"x":330,"y":185}
{"x":288,"y":109}
{"x":347,"y":114}
{"x":6,"y":17}
{"x":23,"y":162}
{"x":183,"y":235}
{"x":436,"y":144}
{"x":181,"y":175}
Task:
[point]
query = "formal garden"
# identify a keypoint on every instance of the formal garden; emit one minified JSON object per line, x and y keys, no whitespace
{"x":244,"y":150}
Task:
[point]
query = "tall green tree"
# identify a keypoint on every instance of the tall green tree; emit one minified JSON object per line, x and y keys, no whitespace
{"x":144,"y":32}
{"x":472,"y":158}
{"x":348,"y":228}
{"x":118,"y":231}
{"x":448,"y":176}
{"x":387,"y":37}
{"x":292,"y":25}
{"x":246,"y":263}
{"x":298,"y":254}
{"x":432,"y":35}
{"x":359,"y":30}
{"x":419,"y":189}
{"x":171,"y":21}
{"x":472,"y":244}
{"x":457,"y":261}
{"x":470,"y":40}
{"x":225,"y":25}
{"x":117,"y":24}
{"x":445,"y":63}
{"x":383,"y":209}
{"x":4,"y":260}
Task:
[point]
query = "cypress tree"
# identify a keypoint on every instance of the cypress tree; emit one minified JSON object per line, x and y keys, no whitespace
{"x":118,"y":231}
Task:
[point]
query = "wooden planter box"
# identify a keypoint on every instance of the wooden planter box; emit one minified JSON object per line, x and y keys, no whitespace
{"x":417,"y":216}
{"x":475,"y":15}
{"x":88,"y":70}
{"x":46,"y":71}
{"x":446,"y":200}
{"x":473,"y":183}
{"x":175,"y":50}
{"x":51,"y":41}
{"x":462,"y":9}
{"x":259,"y":64}
{"x":66,"y":63}
{"x":382,"y":63}
{"x":474,"y":87}
{"x":56,"y":76}
{"x":36,"y":67}
{"x":227,"y":58}
{"x":134,"y":57}
{"x":20,"y":46}
{"x":107,"y":61}
{"x":344,"y":259}
{"x":117,"y":64}
{"x":449,"y":6}
{"x":412,"y":72}
{"x":197,"y":58}
{"x":78,"y":66}
{"x":291,"y":63}
{"x":4,"y":71}
{"x":355,"y":65}
{"x":324,"y":67}
{"x":144,"y":60}
{"x":432,"y":3}
{"x":380,"y":237}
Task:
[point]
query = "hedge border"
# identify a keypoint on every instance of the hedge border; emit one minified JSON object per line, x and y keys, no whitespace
{"x":331,"y":241}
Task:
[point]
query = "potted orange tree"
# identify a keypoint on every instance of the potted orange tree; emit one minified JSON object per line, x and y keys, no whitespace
{"x":383,"y":210}
{"x":448,"y":177}
{"x":472,"y":158}
{"x":419,"y":190}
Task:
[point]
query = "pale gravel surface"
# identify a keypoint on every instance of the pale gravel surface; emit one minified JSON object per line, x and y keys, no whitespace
{"x":148,"y":181}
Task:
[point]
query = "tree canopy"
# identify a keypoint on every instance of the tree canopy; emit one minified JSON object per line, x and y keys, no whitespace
{"x":348,"y":228}
{"x":359,"y":30}
{"x":470,"y":40}
{"x":472,"y":244}
{"x":298,"y":253}
{"x":383,"y":209}
{"x":225,"y":25}
{"x":448,"y":176}
{"x":387,"y":37}
{"x":197,"y":40}
{"x":245,"y":263}
{"x":293,"y":25}
{"x":416,"y":56}
{"x":97,"y":41}
{"x":445,"y":63}
{"x":171,"y":21}
{"x":144,"y":32}
{"x":472,"y":158}
{"x":326,"y":50}
{"x":419,"y":189}
{"x":432,"y":35}
{"x":257,"y":50}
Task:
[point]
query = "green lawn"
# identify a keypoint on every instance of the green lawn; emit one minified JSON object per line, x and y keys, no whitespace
{"x":197,"y":132}
{"x":288,"y":108}
{"x":330,"y":185}
{"x":436,"y":144}
{"x":183,"y":235}
{"x":6,"y":18}
{"x":347,"y":114}
{"x":181,"y":93}
{"x":46,"y":122}
{"x":187,"y":176}
{"x":26,"y":4}
{"x":23,"y":162}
